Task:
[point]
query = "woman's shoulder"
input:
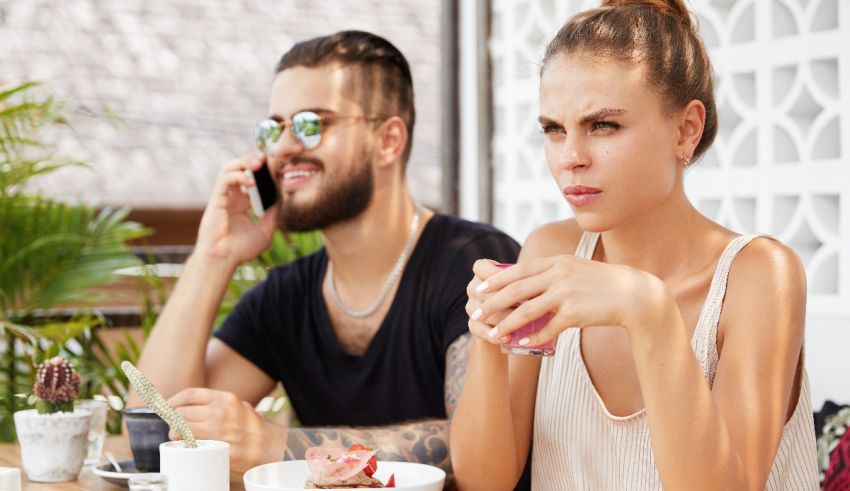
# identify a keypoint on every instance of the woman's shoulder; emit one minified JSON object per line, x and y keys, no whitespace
{"x":552,"y":239}
{"x":766,"y":282}
{"x":765,"y":260}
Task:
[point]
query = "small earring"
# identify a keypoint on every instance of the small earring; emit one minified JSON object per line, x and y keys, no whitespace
{"x":687,"y":160}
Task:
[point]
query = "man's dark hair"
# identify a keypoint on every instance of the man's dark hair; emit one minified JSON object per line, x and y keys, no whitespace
{"x":379,"y":73}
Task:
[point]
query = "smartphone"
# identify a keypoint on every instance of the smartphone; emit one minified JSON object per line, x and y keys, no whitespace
{"x":264,"y":194}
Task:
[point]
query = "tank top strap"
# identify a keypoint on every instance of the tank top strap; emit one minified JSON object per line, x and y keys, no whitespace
{"x":704,"y":341}
{"x":587,"y":244}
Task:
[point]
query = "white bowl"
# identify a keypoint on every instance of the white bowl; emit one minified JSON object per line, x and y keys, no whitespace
{"x":291,"y":475}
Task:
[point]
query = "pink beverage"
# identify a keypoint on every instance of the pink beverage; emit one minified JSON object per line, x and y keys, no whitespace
{"x":513,"y":347}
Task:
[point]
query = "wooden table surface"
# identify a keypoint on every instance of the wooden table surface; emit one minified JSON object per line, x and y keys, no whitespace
{"x":10,"y":456}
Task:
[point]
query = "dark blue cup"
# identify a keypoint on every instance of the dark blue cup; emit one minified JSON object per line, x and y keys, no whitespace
{"x":147,"y":430}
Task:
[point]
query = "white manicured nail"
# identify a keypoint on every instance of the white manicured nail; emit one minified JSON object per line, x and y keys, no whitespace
{"x":523,"y":341}
{"x":476,"y":315}
{"x":493,"y":332}
{"x":483,"y":286}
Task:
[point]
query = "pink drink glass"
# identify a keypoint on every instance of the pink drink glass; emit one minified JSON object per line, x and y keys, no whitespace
{"x":513,"y":347}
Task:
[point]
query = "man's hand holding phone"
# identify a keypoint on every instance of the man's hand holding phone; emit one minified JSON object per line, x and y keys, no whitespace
{"x":228,"y":232}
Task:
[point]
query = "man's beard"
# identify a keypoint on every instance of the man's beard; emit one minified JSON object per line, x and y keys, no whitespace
{"x":340,"y":200}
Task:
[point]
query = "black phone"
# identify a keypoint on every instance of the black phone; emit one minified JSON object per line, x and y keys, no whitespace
{"x":264,"y":194}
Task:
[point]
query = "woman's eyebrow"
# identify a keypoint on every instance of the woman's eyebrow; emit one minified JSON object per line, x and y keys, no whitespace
{"x":601,"y":114}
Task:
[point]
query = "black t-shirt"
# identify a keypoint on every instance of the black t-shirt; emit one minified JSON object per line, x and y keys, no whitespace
{"x":282,"y":326}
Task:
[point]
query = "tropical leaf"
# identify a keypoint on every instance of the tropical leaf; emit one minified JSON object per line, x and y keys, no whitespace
{"x":51,"y":253}
{"x":51,"y":256}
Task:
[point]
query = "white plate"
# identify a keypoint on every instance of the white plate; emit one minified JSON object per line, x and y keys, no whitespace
{"x":291,"y":475}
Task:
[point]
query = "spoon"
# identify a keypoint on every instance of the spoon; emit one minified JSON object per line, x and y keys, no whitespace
{"x":111,"y":459}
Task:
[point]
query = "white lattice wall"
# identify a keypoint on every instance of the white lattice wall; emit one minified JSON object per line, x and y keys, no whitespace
{"x":781,"y":161}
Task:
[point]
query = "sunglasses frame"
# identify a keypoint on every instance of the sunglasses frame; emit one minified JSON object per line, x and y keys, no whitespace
{"x":306,"y":127}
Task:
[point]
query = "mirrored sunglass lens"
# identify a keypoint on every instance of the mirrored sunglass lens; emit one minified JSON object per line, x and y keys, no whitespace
{"x":307,"y":127}
{"x":268,"y":131}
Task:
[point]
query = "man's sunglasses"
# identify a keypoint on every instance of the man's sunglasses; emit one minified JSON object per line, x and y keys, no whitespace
{"x":306,"y":127}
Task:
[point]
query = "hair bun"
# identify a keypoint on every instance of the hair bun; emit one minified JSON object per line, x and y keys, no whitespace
{"x":673,"y":8}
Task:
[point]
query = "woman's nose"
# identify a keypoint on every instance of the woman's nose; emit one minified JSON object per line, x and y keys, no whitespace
{"x":573,"y":153}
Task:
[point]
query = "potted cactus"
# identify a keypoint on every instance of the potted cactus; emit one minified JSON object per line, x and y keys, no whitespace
{"x":53,"y":436}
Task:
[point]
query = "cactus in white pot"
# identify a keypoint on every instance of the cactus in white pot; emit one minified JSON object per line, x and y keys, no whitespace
{"x":53,"y":436}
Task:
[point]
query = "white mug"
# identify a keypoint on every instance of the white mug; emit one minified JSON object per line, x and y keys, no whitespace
{"x":190,"y":469}
{"x":10,"y":479}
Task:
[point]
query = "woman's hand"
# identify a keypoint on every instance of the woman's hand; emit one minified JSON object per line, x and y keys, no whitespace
{"x":484,"y":270}
{"x":577,"y":292}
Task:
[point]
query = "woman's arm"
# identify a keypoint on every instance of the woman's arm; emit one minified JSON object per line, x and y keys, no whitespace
{"x":726,"y":438}
{"x":491,"y":430}
{"x":702,"y":439}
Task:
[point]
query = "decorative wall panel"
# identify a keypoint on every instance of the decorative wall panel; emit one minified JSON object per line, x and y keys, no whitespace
{"x":781,"y":162}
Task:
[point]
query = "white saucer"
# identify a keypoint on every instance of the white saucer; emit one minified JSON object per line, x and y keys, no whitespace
{"x":108,"y":472}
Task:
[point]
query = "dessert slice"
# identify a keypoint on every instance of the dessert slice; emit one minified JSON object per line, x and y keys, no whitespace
{"x":335,"y":468}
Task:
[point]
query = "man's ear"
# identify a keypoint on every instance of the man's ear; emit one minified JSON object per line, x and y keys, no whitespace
{"x":392,"y":140}
{"x":691,"y":125}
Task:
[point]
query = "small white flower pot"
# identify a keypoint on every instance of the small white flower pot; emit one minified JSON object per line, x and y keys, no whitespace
{"x":53,"y":446}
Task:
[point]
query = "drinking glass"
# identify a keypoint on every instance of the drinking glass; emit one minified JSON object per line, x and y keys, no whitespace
{"x":147,"y":431}
{"x":151,"y":481}
{"x":97,"y":427}
{"x":513,"y":347}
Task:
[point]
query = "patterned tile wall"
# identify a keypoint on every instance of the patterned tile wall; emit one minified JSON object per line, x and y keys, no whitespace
{"x":781,"y":162}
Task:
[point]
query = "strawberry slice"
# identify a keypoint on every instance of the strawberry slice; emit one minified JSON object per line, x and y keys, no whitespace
{"x":372,"y":465}
{"x":390,"y":482}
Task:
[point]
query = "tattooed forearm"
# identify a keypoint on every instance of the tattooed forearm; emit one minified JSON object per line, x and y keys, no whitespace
{"x":426,"y":442}
{"x":457,"y":357}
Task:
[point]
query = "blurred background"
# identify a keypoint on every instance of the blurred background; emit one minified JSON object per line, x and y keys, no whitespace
{"x":161,"y":93}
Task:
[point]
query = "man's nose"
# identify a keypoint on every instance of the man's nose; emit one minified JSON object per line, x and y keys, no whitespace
{"x":286,"y":147}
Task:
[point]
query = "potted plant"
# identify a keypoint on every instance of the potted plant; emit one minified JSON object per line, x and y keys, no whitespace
{"x":53,"y":436}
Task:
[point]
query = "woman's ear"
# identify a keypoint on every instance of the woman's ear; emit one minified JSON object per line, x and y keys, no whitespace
{"x":392,"y":140}
{"x":691,"y":124}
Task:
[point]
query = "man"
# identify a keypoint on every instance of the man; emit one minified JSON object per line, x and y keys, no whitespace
{"x":369,"y":335}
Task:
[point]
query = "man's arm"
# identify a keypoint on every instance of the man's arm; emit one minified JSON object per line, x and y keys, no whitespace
{"x":175,"y":354}
{"x":425,"y":442}
{"x":457,"y":358}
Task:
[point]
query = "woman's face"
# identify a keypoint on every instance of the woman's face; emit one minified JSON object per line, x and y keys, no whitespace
{"x":609,"y":143}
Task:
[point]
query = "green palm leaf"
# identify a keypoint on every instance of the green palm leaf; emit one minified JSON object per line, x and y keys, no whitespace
{"x":51,"y":255}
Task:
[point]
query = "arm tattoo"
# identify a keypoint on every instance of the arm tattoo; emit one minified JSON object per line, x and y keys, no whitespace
{"x":426,"y":442}
{"x":457,"y":357}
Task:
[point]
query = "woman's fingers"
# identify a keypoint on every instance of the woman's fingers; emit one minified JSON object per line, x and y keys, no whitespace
{"x":528,"y":312}
{"x":481,"y":331}
{"x":509,"y":297}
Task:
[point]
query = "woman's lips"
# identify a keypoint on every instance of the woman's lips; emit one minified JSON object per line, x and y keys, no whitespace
{"x":578,"y":195}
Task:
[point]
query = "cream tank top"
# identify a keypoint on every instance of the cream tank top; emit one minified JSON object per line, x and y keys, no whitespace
{"x":578,"y":444}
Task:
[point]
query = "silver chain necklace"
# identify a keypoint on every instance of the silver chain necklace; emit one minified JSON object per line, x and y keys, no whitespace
{"x":394,"y":274}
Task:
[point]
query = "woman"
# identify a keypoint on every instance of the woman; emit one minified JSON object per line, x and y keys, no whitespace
{"x":679,"y":361}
